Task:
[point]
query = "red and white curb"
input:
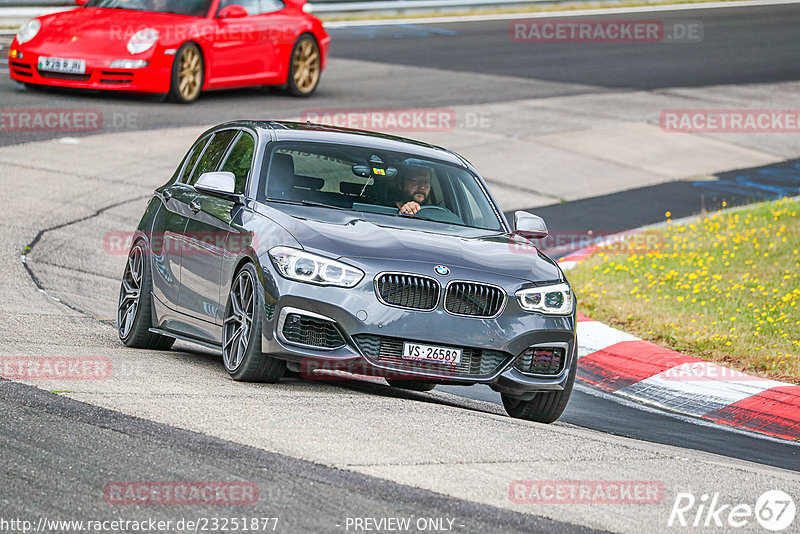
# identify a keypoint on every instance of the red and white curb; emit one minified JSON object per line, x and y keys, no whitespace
{"x":637,"y":369}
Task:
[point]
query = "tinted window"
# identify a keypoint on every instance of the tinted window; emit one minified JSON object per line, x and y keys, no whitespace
{"x":240,"y":159}
{"x":213,"y":154}
{"x":376,"y":181}
{"x":268,"y":6}
{"x":195,"y":8}
{"x":252,"y":6}
{"x":191,"y":158}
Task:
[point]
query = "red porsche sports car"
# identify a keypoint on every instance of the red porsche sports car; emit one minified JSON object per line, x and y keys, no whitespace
{"x":174,"y":47}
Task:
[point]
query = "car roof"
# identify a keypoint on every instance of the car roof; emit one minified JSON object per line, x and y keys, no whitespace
{"x":299,"y":131}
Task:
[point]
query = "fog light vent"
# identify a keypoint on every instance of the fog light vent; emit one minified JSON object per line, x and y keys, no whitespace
{"x":311,"y":331}
{"x":541,"y":361}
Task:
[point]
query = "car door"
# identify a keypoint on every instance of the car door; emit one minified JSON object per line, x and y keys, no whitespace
{"x":169,"y":226}
{"x":238,"y":51}
{"x":206,"y":235}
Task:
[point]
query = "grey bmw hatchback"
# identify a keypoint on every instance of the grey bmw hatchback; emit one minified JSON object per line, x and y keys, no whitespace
{"x":313,"y":249}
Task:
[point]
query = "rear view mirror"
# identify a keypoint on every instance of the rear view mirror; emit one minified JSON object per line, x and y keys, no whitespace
{"x":216,"y":183}
{"x":529,"y":225}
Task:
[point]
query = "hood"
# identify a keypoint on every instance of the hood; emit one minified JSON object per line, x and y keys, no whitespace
{"x":345,"y":235}
{"x":106,"y":31}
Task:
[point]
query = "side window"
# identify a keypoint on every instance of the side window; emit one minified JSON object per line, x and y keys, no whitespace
{"x":213,"y":154}
{"x":269,"y":6}
{"x":251,"y":6}
{"x":240,"y":160}
{"x":191,"y":158}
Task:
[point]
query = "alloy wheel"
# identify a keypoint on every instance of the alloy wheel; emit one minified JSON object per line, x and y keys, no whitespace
{"x":306,"y":65}
{"x":238,"y":320}
{"x":130,"y":292}
{"x":190,"y":75}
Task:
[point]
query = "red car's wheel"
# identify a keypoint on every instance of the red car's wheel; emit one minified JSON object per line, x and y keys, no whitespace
{"x":187,"y":74}
{"x":305,"y":67}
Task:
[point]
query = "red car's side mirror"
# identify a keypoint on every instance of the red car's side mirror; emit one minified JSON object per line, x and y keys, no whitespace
{"x":233,"y":12}
{"x":81,"y":2}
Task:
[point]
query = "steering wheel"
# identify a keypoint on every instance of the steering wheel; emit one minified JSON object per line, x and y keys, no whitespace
{"x":438,"y":214}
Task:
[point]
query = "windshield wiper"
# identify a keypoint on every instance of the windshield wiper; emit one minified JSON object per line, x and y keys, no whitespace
{"x":307,"y":203}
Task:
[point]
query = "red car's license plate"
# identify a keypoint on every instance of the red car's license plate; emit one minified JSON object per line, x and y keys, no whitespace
{"x":68,"y":66}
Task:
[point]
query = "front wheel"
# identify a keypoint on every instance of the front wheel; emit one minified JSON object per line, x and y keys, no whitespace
{"x":241,"y":332}
{"x":187,"y":74}
{"x":545,"y":407}
{"x":305,"y":67}
{"x":134,"y":311}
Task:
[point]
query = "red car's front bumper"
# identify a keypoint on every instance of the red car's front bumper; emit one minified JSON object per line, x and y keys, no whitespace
{"x":154,"y":78}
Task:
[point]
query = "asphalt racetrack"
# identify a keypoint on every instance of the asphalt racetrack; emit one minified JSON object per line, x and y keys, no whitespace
{"x":314,"y":460}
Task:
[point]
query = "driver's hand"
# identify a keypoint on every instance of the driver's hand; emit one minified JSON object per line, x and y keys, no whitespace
{"x":410,"y":208}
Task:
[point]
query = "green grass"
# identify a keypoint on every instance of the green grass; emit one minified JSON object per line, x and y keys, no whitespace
{"x":724,"y":288}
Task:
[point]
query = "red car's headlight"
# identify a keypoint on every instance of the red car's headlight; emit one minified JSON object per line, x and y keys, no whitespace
{"x":142,"y":41}
{"x":28,"y":31}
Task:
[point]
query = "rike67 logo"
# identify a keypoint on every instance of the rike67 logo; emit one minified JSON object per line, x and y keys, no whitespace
{"x":774,"y":510}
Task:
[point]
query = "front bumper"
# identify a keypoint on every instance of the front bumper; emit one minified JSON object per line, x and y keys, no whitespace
{"x":372,"y":334}
{"x":154,"y":78}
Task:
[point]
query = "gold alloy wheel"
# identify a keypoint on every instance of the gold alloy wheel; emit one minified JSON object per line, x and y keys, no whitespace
{"x":190,"y":76}
{"x":306,"y":65}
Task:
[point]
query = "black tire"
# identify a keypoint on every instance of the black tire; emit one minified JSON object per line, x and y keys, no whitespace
{"x":545,"y":407}
{"x":296,"y":83}
{"x":413,"y":385}
{"x":242,"y":354}
{"x":189,"y":68}
{"x":135,"y":306}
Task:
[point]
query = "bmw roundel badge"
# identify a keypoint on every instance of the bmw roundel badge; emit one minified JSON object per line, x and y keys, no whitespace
{"x":441,"y":270}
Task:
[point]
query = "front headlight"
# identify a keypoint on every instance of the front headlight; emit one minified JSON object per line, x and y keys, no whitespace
{"x":306,"y":267}
{"x":552,"y":300}
{"x":28,"y":31}
{"x":142,"y":41}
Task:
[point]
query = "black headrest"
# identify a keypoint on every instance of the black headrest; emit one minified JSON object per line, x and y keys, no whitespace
{"x":281,"y":175}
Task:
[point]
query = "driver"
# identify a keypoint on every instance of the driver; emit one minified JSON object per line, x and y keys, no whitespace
{"x":414,"y":188}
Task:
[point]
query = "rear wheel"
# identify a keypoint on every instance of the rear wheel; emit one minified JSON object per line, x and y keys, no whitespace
{"x":305,"y":67}
{"x":241,"y":332}
{"x":187,"y":74}
{"x":545,"y":407}
{"x":134,"y":311}
{"x":413,"y":385}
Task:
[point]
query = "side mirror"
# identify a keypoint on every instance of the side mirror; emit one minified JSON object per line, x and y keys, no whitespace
{"x":81,"y":2}
{"x":232,"y":12}
{"x":217,"y":183}
{"x":529,"y":225}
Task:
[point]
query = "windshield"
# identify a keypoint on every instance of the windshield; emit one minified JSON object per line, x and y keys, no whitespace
{"x":375,"y":181}
{"x":194,"y":8}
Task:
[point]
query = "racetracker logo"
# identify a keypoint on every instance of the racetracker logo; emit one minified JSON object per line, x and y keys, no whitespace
{"x":604,"y":31}
{"x":731,"y":120}
{"x":386,"y":120}
{"x":332,"y":370}
{"x":181,"y":493}
{"x":586,"y":492}
{"x":50,"y":120}
{"x":56,"y":368}
{"x":609,"y":241}
{"x":189,"y":244}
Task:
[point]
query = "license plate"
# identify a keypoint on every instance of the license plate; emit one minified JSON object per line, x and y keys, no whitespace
{"x":57,"y":64}
{"x":430,"y":353}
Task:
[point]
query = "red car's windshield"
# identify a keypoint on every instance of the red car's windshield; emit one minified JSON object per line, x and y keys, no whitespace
{"x":194,"y":8}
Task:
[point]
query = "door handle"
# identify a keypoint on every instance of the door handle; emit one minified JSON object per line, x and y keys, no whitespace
{"x":195,"y":206}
